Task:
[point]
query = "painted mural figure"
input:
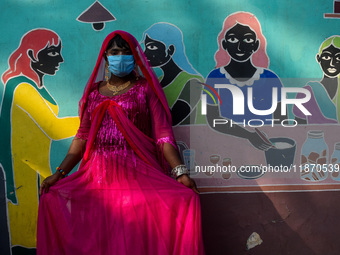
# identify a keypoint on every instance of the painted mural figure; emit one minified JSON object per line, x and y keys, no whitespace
{"x":242,"y":61}
{"x":324,"y":104}
{"x":181,"y":83}
{"x":29,"y":123}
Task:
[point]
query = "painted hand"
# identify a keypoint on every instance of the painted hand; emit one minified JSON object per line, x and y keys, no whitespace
{"x":258,"y":142}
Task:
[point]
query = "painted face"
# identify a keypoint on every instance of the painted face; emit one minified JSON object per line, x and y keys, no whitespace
{"x":240,"y":42}
{"x":329,"y":61}
{"x":48,"y":60}
{"x":156,"y":52}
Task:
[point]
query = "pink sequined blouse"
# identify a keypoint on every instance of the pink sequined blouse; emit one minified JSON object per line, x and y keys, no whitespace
{"x":141,"y":106}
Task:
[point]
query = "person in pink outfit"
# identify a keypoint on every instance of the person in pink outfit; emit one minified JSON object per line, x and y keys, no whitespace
{"x":122,"y":199}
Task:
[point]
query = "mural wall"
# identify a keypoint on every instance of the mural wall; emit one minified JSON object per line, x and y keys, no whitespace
{"x":252,"y":87}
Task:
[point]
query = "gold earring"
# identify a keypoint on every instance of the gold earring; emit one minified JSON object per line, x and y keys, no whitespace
{"x":106,"y":71}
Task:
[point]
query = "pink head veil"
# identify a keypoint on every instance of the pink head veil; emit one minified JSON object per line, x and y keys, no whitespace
{"x":98,"y":73}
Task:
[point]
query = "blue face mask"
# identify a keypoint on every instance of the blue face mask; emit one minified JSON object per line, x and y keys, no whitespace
{"x":121,"y":65}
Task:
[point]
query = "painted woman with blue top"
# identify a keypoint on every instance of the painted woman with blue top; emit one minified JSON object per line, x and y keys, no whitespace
{"x":324,"y":104}
{"x":181,"y":83}
{"x":242,"y":61}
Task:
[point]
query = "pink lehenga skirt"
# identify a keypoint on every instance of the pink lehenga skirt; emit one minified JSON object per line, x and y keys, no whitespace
{"x":117,"y":204}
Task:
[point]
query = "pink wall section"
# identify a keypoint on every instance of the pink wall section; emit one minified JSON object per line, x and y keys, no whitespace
{"x":291,"y":215}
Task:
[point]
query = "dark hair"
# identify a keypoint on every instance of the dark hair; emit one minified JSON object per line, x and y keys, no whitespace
{"x":120,"y":42}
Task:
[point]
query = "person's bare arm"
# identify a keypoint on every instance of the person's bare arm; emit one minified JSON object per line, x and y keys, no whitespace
{"x":72,"y":158}
{"x":173,"y":158}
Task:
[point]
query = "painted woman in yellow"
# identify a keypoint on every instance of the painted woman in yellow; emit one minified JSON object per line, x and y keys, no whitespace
{"x":29,"y":122}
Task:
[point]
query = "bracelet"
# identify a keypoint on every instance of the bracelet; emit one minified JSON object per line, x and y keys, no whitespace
{"x":62,"y":171}
{"x":179,"y":170}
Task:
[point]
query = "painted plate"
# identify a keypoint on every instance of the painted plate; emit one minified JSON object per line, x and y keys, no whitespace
{"x":250,"y":172}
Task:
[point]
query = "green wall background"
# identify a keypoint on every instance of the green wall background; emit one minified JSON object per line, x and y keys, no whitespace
{"x":294,"y":31}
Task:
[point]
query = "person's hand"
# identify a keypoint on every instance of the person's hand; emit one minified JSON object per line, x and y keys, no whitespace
{"x":187,"y":181}
{"x":258,"y":142}
{"x":48,"y":182}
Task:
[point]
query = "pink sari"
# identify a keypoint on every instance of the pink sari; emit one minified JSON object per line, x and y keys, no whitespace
{"x":120,"y":201}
